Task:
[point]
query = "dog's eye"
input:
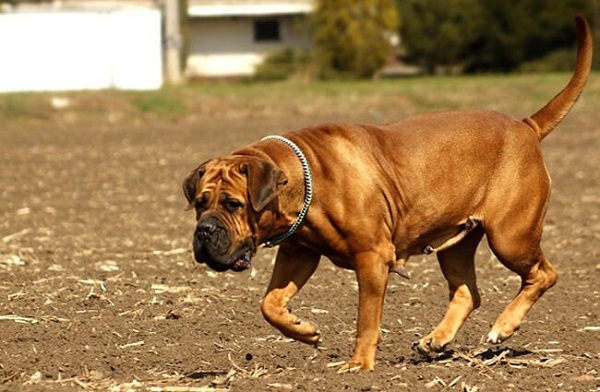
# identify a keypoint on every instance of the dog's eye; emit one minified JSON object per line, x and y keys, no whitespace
{"x":232,"y":205}
{"x":200,"y":204}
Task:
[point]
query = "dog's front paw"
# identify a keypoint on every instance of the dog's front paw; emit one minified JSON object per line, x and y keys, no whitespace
{"x":305,"y":332}
{"x":355,"y":365}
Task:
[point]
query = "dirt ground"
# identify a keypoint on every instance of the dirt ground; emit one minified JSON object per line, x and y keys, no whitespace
{"x":99,"y":291}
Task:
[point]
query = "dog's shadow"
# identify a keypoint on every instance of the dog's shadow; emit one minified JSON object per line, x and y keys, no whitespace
{"x":201,"y":374}
{"x":487,"y":356}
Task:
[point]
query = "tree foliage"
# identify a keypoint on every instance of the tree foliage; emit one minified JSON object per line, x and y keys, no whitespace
{"x":487,"y":35}
{"x":352,"y":37}
{"x":435,"y":32}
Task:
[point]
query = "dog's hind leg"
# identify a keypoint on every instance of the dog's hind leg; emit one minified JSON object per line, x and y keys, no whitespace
{"x":293,"y":267}
{"x":458,"y":266}
{"x":516,"y":244}
{"x":537,"y":276}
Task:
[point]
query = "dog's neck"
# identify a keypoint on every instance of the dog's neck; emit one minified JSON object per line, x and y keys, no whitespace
{"x":281,"y":214}
{"x":308,"y":189}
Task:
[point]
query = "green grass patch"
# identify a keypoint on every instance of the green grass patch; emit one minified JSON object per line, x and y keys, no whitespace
{"x":514,"y":94}
{"x":165,"y":102}
{"x":23,"y":105}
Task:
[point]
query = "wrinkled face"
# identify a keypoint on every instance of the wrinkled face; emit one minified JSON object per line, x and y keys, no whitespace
{"x":228,"y":194}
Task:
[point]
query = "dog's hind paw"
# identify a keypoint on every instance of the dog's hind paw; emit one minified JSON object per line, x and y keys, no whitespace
{"x":428,"y":346}
{"x":493,"y":338}
{"x":496,"y":338}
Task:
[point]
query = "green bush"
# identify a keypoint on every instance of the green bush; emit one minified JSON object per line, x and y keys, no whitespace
{"x":560,"y":60}
{"x":352,"y":38}
{"x":490,"y":36}
{"x":283,"y":64}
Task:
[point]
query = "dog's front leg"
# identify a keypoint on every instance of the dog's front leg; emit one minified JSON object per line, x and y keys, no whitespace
{"x":293,"y":267}
{"x":372,"y":273}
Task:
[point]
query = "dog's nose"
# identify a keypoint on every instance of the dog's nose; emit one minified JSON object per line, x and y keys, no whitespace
{"x":207,"y":226}
{"x":205,"y":229}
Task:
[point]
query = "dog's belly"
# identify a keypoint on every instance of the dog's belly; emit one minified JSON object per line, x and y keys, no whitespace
{"x":437,"y":238}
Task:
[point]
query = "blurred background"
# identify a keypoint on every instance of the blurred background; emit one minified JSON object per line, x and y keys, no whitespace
{"x":145,"y":44}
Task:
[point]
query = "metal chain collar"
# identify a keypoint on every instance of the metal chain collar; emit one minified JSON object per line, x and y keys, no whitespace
{"x":308,"y":189}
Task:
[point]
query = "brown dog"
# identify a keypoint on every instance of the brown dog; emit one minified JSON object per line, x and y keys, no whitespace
{"x":433,"y":183}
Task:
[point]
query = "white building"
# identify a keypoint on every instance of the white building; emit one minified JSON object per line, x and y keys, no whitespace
{"x":98,"y":44}
{"x":229,"y":38}
{"x":81,"y":45}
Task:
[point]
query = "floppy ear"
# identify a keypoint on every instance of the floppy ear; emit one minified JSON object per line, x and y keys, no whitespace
{"x":265,"y":181}
{"x":190,"y":183}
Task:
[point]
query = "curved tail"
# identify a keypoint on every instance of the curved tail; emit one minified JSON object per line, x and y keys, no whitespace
{"x":550,"y":115}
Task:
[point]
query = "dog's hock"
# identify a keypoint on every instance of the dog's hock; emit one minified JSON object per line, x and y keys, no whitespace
{"x":453,"y":238}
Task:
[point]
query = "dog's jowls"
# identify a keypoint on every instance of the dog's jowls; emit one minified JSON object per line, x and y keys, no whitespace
{"x":434,"y":183}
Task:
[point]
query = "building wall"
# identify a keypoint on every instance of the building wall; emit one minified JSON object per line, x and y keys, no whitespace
{"x":222,"y":47}
{"x":76,"y":50}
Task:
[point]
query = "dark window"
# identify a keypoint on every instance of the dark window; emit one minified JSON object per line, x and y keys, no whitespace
{"x":266,"y":30}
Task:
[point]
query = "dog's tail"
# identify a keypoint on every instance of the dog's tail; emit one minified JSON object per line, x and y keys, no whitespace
{"x":550,"y":115}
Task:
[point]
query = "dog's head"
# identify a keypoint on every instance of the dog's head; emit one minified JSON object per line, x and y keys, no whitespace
{"x":235,"y":199}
